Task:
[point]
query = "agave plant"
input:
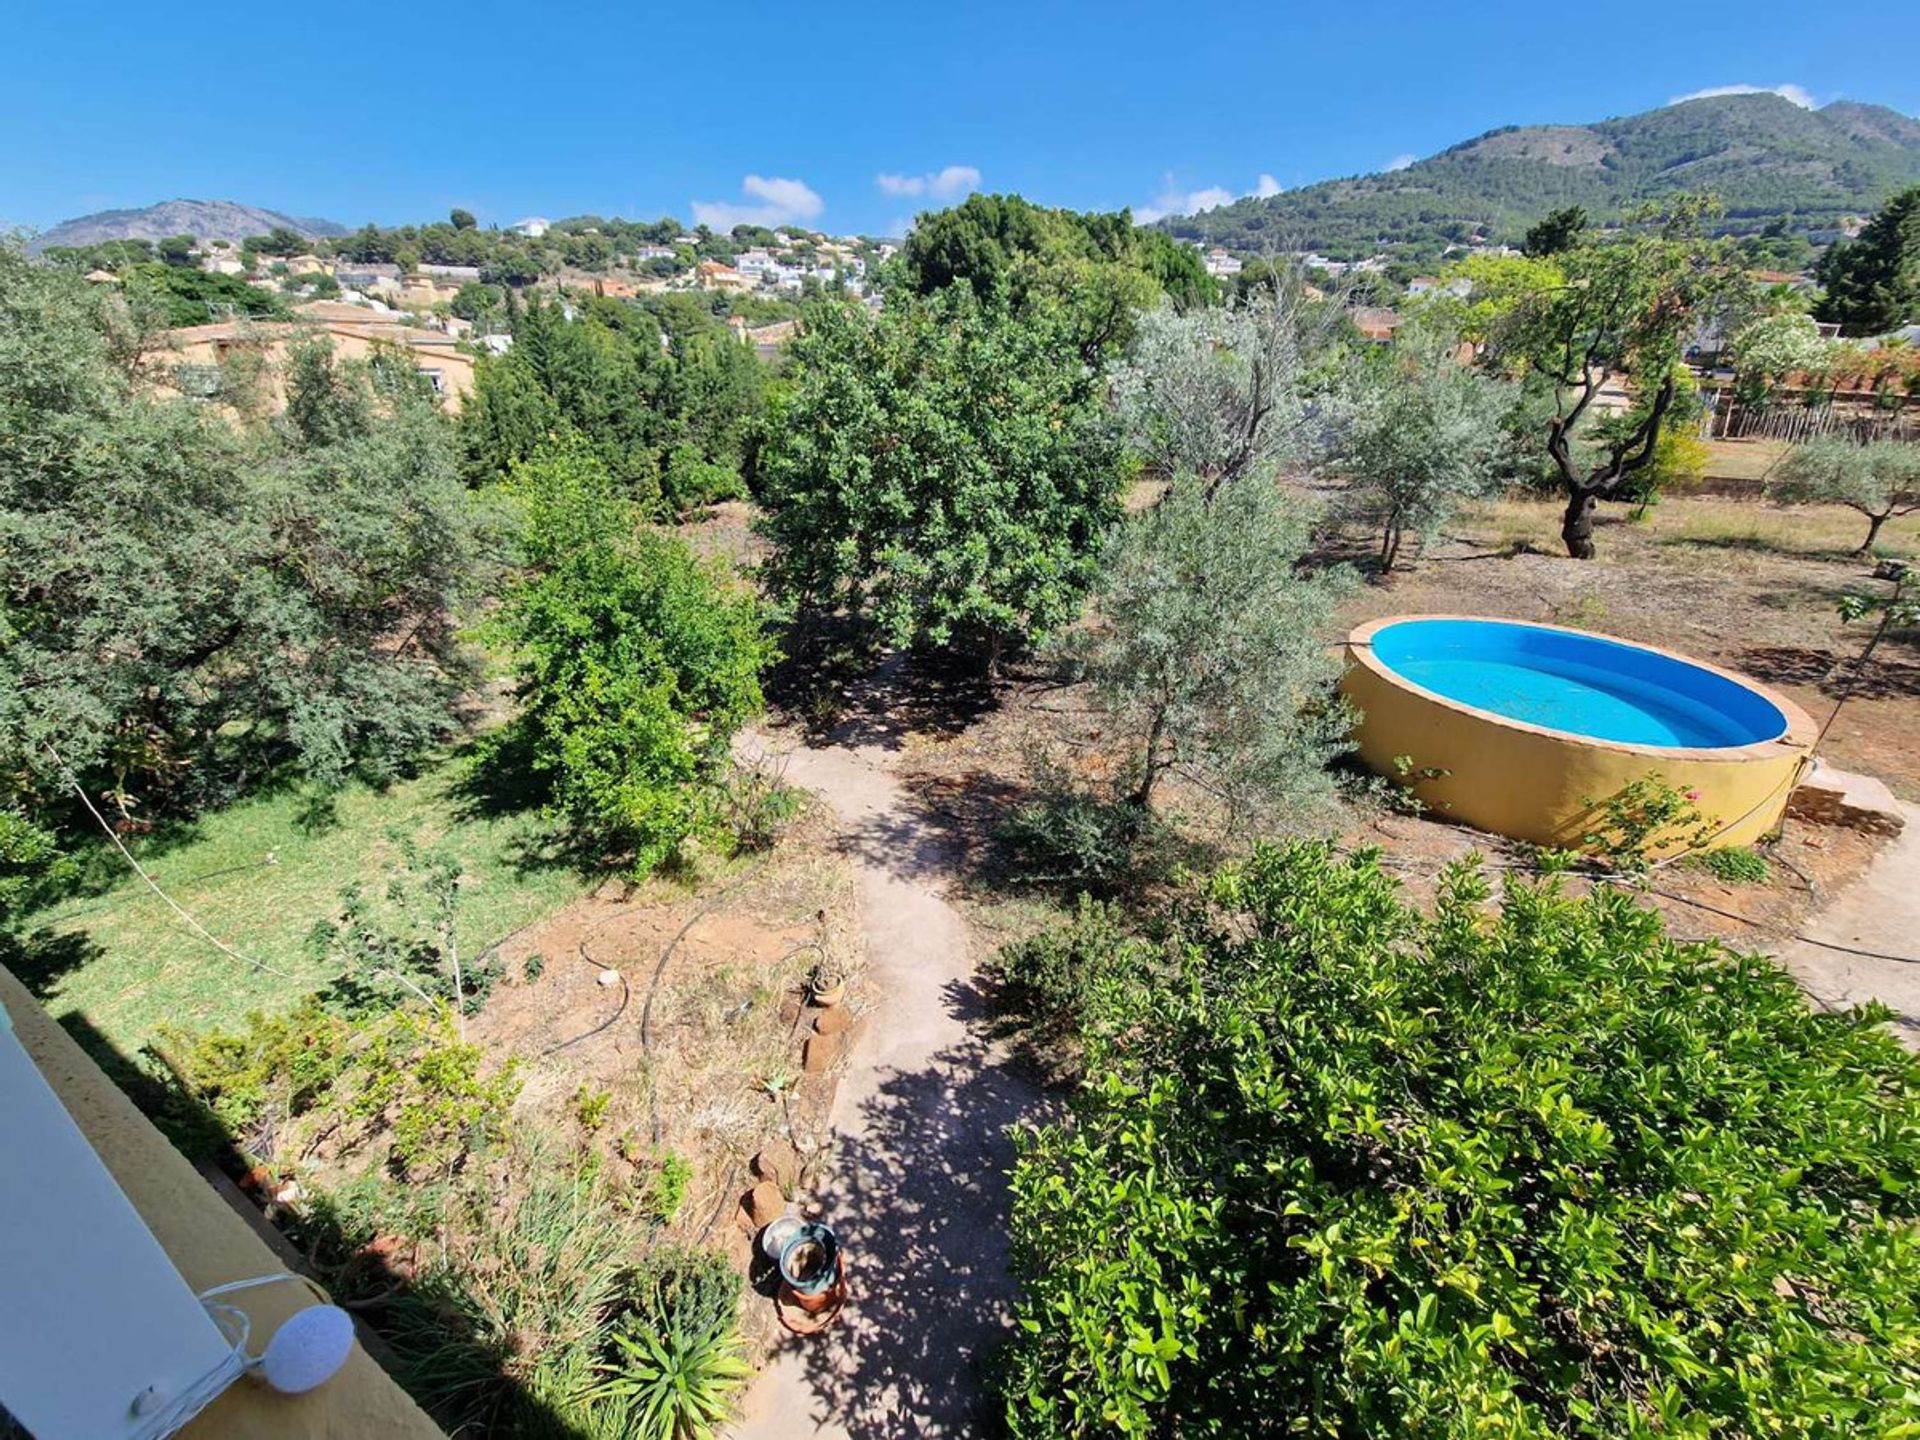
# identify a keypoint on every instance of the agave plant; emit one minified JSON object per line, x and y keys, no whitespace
{"x":675,"y":1383}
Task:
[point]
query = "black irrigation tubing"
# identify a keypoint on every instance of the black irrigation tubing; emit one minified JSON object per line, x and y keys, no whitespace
{"x":626,"y":991}
{"x":720,"y":1207}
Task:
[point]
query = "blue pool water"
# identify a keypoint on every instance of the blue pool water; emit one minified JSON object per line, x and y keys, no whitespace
{"x":1581,"y":684}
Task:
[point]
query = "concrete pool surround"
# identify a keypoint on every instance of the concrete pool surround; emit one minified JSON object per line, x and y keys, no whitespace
{"x":1736,"y":748}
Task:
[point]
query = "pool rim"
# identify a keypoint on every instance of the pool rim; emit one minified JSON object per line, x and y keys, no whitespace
{"x":1799,"y":734}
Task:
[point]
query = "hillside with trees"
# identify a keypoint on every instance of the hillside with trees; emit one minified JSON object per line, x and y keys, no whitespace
{"x":1765,"y":157}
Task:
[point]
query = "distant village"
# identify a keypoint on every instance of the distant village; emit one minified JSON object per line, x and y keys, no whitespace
{"x":443,"y":313}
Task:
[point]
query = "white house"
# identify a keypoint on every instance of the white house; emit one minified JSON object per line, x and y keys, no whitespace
{"x":533,"y":227}
{"x":756,"y":262}
{"x":1220,"y":264}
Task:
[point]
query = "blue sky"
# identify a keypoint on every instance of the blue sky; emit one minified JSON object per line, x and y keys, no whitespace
{"x":846,"y":118}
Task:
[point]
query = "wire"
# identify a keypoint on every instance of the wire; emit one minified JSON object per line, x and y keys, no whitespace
{"x":191,"y":923}
{"x":171,"y":1414}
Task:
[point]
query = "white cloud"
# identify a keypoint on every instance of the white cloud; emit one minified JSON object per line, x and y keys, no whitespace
{"x":948,"y":184}
{"x":1173,"y":201}
{"x":781,"y":202}
{"x":1796,"y":93}
{"x":1400,"y":162}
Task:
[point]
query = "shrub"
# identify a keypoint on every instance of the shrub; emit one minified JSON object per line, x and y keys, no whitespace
{"x":1737,"y":865}
{"x":399,"y":1084}
{"x":691,"y":480}
{"x":637,"y":664}
{"x":1641,"y":818}
{"x":1361,"y":1171}
{"x":1057,"y":978}
{"x":1077,"y":841}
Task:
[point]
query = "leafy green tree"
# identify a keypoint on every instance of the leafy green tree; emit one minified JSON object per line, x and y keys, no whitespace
{"x":1421,"y":434}
{"x":1211,"y":648}
{"x":1873,"y":281}
{"x":1561,"y":230}
{"x":278,"y":241}
{"x":944,"y":471}
{"x":199,"y":297}
{"x":1099,"y":268}
{"x":564,"y":378}
{"x":1626,"y":305}
{"x":461,"y":219}
{"x":1880,"y":479}
{"x":637,"y":662}
{"x":324,"y":405}
{"x":176,"y":250}
{"x":185,"y":607}
{"x":476,"y":302}
{"x":1357,"y":1171}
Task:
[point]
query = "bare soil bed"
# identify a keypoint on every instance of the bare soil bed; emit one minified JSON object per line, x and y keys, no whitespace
{"x":697,"y":1034}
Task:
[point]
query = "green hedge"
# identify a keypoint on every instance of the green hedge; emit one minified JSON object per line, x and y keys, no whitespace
{"x":1340,"y":1168}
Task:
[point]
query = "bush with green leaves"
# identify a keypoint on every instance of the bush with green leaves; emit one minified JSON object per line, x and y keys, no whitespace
{"x":1880,"y":479}
{"x":942,"y":472}
{"x":1058,"y":979}
{"x":1737,"y":865}
{"x":1359,"y":1170}
{"x":637,"y":663}
{"x":399,"y":1086}
{"x":1211,"y":649}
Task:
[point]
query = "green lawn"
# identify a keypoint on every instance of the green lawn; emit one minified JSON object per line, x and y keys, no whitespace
{"x":259,"y":878}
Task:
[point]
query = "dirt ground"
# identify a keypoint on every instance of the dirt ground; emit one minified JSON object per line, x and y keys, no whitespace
{"x":697,"y":1034}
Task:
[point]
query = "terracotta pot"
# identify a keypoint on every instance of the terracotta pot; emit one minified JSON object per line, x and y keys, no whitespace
{"x":827,"y":996}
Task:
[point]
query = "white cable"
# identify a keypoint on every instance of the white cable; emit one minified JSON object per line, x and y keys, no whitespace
{"x":171,"y":1413}
{"x":153,"y":885}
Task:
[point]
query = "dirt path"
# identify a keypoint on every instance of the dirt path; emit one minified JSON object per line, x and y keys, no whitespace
{"x":1879,"y":913}
{"x":918,"y":1183}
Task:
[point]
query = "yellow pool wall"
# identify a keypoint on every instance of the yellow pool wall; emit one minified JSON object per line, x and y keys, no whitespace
{"x":1535,"y":784}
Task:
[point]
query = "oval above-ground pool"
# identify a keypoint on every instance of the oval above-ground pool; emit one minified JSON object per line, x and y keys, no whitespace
{"x":1519,"y":728}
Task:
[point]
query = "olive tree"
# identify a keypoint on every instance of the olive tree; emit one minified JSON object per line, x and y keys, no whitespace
{"x":1210,"y":647}
{"x":1420,"y":435}
{"x":1880,"y":479}
{"x":1220,"y":393}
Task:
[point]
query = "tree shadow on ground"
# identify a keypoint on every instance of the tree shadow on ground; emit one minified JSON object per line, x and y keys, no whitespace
{"x":931,"y":1298}
{"x":416,"y":1327}
{"x":910,"y":693}
{"x":40,"y":959}
{"x":1831,"y":673}
{"x":494,"y":779}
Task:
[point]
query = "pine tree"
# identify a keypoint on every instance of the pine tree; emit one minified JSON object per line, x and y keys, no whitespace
{"x":1873,"y":282}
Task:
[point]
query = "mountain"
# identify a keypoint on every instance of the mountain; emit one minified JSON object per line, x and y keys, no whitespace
{"x":203,"y":219}
{"x":1764,"y":156}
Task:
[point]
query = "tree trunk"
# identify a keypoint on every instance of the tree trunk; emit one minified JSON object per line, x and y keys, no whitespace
{"x":1142,"y":796}
{"x":1874,"y":522}
{"x":1576,"y":527}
